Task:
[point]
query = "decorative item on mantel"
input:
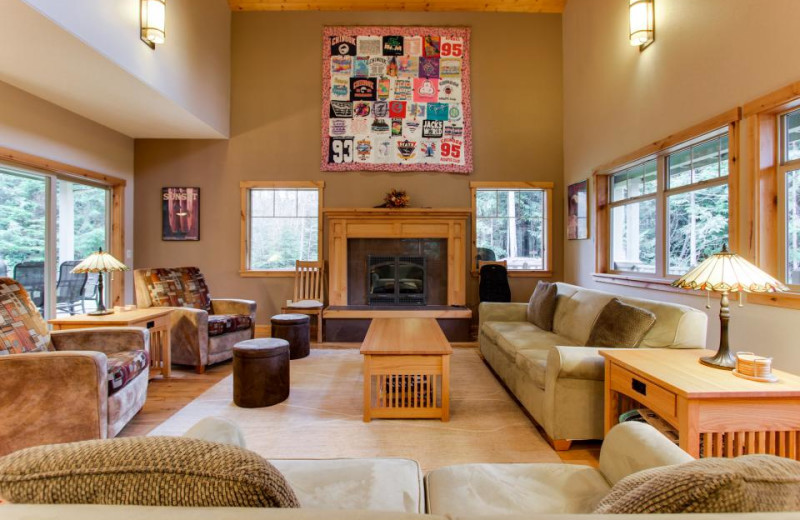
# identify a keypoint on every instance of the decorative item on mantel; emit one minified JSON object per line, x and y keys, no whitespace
{"x":100,"y":262}
{"x":395,"y":199}
{"x":727,"y":272}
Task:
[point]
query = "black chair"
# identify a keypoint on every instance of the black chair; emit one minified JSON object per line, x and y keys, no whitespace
{"x":485,"y":254}
{"x":31,"y":276}
{"x":70,"y":287}
{"x":494,"y":283}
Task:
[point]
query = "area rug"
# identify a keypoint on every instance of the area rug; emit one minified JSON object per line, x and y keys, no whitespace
{"x":323,"y":417}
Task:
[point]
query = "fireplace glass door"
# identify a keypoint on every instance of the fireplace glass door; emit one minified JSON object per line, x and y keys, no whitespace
{"x":396,"y":280}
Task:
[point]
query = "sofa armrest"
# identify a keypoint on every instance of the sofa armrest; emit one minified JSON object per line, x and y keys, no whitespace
{"x":493,"y":311}
{"x":52,"y":397}
{"x":631,"y":447}
{"x":575,"y":363}
{"x":233,"y":306}
{"x":108,"y":340}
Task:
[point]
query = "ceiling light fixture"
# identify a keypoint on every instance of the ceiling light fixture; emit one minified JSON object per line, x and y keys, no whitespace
{"x":642,"y":23}
{"x":152,"y":18}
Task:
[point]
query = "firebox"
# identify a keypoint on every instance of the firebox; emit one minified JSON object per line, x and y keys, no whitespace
{"x":395,"y":280}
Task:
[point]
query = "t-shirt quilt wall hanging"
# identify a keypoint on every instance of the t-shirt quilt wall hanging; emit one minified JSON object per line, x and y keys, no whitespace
{"x":396,"y":99}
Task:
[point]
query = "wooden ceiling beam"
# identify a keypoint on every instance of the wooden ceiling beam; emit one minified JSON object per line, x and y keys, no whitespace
{"x":507,"y":6}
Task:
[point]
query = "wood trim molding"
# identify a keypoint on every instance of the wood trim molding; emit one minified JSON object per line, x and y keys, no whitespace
{"x":643,"y":282}
{"x":244,"y":188}
{"x":510,"y":6}
{"x":48,"y":165}
{"x":784,"y":98}
{"x":718,"y":121}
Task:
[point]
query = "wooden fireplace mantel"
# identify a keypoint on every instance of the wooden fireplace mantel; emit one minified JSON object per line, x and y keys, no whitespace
{"x":446,"y":223}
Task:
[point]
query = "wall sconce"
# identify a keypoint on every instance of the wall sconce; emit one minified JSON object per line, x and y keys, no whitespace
{"x":152,"y":17}
{"x":642,"y":24}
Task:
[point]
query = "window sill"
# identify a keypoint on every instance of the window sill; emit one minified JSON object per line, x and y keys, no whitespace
{"x":643,"y":282}
{"x":521,"y":274}
{"x":266,"y":274}
{"x":789,"y":300}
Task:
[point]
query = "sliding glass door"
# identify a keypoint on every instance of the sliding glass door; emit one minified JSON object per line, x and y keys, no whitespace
{"x":48,"y":224}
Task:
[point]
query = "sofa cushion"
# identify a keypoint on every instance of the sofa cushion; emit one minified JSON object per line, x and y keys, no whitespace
{"x":22,"y":328}
{"x":512,"y":337}
{"x":620,"y":325}
{"x":219,"y":324}
{"x":500,"y":489}
{"x":379,"y":484}
{"x":534,"y":363}
{"x":177,"y":287}
{"x":542,"y":305}
{"x":752,"y":483}
{"x":166,"y":471}
{"x":124,"y":366}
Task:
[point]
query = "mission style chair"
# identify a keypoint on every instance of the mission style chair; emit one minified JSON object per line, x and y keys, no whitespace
{"x":69,"y":385}
{"x":308,"y":293}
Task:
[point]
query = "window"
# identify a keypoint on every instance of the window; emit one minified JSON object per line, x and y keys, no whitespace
{"x":48,"y":224}
{"x":282,"y":225}
{"x":789,"y":196}
{"x":511,"y":223}
{"x":663,"y":213}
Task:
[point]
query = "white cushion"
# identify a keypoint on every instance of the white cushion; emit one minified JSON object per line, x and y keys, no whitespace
{"x":305,"y":304}
{"x":369,"y":484}
{"x":499,"y":489}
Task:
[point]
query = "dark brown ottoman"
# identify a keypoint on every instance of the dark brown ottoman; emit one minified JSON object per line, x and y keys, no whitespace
{"x":260,"y":372}
{"x":295,"y":329}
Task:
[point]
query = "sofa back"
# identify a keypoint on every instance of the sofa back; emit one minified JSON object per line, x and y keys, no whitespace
{"x":171,"y":287}
{"x":23,"y":329}
{"x":677,"y":326}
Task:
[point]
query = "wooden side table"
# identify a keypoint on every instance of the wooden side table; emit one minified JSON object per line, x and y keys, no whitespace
{"x":716,"y":413}
{"x":155,"y":319}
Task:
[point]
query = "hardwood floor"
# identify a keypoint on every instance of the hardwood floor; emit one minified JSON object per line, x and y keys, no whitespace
{"x":166,"y":396}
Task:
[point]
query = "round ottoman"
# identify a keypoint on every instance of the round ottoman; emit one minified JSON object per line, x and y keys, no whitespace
{"x":260,"y":372}
{"x":295,"y":329}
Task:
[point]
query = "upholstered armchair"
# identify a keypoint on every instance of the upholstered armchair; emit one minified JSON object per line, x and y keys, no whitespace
{"x":204,"y":330}
{"x":68,"y":385}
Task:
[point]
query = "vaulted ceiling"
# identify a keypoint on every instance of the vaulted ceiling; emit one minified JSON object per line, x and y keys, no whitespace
{"x":508,"y":6}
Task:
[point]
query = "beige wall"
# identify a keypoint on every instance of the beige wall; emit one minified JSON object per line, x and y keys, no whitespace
{"x":192,"y":69}
{"x":708,"y":57}
{"x":34,"y":126}
{"x":275,"y":128}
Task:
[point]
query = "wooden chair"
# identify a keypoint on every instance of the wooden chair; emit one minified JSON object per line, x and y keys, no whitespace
{"x":308,"y":293}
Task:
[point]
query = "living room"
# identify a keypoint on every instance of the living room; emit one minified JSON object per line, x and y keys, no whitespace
{"x":176,"y":153}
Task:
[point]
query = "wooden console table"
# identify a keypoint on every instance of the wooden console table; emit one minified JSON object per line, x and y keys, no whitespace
{"x":712,"y":409}
{"x":406,"y":370}
{"x":155,"y":319}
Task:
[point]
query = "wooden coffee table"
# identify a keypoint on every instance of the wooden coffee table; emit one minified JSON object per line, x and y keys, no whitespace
{"x":155,"y":319}
{"x":406,"y":370}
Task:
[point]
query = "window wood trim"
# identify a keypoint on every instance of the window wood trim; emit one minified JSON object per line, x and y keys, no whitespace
{"x":117,"y":185}
{"x":763,"y":147}
{"x":244,"y":190}
{"x":547,"y":187}
{"x":657,"y":149}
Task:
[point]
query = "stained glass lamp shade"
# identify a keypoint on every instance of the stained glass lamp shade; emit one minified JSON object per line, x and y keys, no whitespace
{"x":727,"y":272}
{"x":100,"y":262}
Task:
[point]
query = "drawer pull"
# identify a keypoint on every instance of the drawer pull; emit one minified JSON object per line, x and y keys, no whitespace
{"x":639,"y":386}
{"x":151,"y":324}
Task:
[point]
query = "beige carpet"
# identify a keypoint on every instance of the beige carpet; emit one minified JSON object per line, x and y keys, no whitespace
{"x":323,"y":418}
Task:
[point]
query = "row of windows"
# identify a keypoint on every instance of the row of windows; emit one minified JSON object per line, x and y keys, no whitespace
{"x":283,"y":225}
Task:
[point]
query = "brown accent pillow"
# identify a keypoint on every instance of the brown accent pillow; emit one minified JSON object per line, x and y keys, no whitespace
{"x":542,"y":305}
{"x":149,"y":471}
{"x":620,"y":325}
{"x":752,"y":483}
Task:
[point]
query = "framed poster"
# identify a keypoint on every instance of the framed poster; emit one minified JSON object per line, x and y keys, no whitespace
{"x":396,"y":99}
{"x":180,"y":213}
{"x":577,"y":211}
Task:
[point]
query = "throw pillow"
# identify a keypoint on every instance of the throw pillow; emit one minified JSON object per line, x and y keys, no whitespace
{"x":620,"y":325}
{"x":149,"y":471}
{"x":542,"y":305}
{"x":752,"y":483}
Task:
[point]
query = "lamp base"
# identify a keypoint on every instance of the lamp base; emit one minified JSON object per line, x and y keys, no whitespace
{"x":101,"y":313}
{"x":722,"y":360}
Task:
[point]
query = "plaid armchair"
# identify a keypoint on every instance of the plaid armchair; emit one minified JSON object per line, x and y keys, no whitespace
{"x":69,"y":385}
{"x":204,"y":330}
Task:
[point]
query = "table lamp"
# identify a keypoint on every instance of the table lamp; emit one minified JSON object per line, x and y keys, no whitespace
{"x":727,"y":272}
{"x":100,"y":262}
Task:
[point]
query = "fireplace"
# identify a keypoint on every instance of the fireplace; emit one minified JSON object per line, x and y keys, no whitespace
{"x":395,"y":280}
